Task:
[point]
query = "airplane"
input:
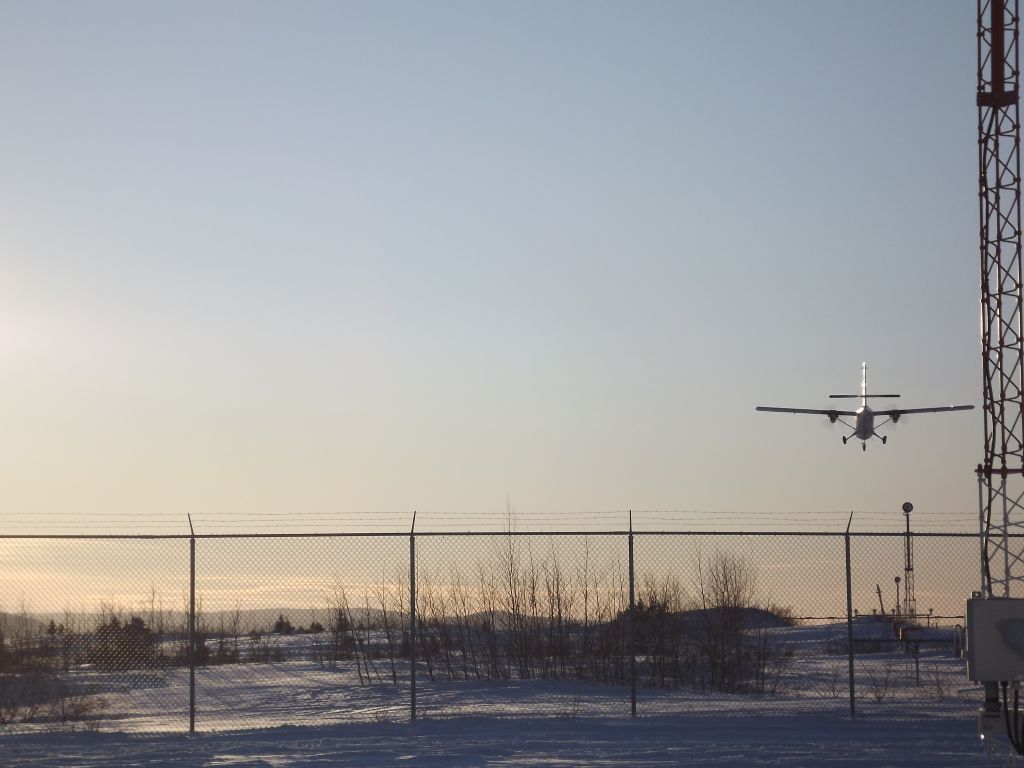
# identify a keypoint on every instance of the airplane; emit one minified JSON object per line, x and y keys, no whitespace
{"x":864,"y":417}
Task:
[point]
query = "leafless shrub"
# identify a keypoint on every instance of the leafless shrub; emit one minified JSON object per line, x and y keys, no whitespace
{"x":389,"y":621}
{"x":22,"y":695}
{"x":69,"y":706}
{"x":832,"y":688}
{"x":939,"y":685}
{"x":227,"y":649}
{"x":574,"y":709}
{"x":880,"y":683}
{"x":263,"y":648}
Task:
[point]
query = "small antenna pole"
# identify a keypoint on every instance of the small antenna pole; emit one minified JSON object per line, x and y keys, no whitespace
{"x":412,"y":616}
{"x":192,"y":628}
{"x":849,"y":616}
{"x":632,"y":622}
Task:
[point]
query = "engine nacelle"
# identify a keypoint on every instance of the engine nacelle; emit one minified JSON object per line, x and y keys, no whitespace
{"x":832,"y":416}
{"x":895,"y":418}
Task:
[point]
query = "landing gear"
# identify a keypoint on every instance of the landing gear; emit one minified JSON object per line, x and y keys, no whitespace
{"x":883,"y":439}
{"x":844,"y":440}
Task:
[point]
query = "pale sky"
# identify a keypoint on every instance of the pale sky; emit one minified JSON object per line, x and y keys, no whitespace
{"x":313,"y":266}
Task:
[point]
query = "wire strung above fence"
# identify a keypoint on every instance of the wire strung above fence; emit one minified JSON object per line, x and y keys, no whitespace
{"x":115,"y":522}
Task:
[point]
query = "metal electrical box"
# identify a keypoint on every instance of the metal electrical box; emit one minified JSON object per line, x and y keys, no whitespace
{"x":995,"y":639}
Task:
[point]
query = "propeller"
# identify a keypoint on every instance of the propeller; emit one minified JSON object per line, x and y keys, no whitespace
{"x":903,"y":419}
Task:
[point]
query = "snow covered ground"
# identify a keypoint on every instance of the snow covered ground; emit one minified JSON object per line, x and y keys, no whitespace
{"x":298,"y":712}
{"x":728,"y":740}
{"x":304,"y":688}
{"x":335,"y":722}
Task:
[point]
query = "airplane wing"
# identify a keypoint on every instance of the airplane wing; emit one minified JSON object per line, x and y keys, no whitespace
{"x":830,"y":414}
{"x":895,"y":413}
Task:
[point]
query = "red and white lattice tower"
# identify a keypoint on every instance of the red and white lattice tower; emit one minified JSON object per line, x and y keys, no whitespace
{"x":1001,"y":474}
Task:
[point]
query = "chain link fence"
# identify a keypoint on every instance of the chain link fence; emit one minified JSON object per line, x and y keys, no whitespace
{"x":907,"y":663}
{"x":301,"y":630}
{"x":94,"y":633}
{"x":233,"y":632}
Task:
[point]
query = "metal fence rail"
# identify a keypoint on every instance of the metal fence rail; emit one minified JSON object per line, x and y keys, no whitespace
{"x":176,"y":633}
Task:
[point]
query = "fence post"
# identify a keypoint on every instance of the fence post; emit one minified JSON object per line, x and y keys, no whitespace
{"x":412,"y":617}
{"x":849,"y":618}
{"x":983,"y":585}
{"x":632,"y":623}
{"x":191,"y":628}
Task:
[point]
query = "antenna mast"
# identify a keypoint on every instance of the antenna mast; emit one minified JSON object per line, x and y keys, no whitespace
{"x":909,"y":596}
{"x":1000,"y":479}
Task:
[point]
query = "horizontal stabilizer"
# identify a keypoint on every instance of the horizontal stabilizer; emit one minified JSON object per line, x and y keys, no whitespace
{"x":867,"y":394}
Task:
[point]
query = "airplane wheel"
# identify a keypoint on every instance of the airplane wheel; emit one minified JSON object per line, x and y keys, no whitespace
{"x":844,"y":441}
{"x":863,"y":446}
{"x":883,"y":440}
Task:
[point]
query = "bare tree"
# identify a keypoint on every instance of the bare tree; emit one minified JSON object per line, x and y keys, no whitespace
{"x":726,"y":590}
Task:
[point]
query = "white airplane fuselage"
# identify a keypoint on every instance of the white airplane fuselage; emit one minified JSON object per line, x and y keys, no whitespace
{"x":864,"y":427}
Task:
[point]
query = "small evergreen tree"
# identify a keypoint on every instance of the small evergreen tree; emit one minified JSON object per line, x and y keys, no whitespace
{"x":117,"y":646}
